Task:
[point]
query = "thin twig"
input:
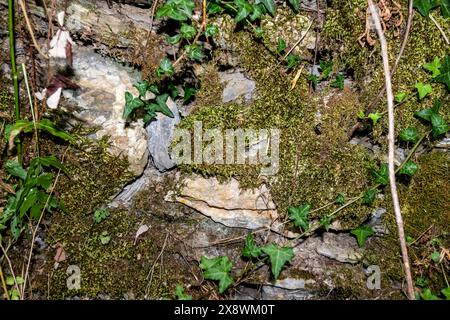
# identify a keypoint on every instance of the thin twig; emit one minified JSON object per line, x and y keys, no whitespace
{"x":30,"y":29}
{"x":399,"y":56}
{"x":4,"y":283}
{"x":152,"y":269}
{"x":11,"y":269}
{"x":391,"y":156}
{"x":440,"y":29}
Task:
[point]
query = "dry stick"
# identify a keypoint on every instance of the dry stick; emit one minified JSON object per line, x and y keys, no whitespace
{"x":30,"y":29}
{"x":390,"y":101}
{"x":11,"y":269}
{"x":399,"y":56}
{"x":4,"y":283}
{"x":440,"y":28}
{"x":33,"y":238}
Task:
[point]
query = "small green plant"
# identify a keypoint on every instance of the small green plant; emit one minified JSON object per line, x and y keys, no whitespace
{"x":14,"y":294}
{"x":104,"y":238}
{"x":338,"y":82}
{"x":362,"y":233}
{"x":31,"y":197}
{"x":218,"y":269}
{"x":180,"y":294}
{"x":101,"y":215}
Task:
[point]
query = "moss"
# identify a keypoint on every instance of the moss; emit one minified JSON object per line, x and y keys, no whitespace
{"x":425,"y":206}
{"x":314,"y":166}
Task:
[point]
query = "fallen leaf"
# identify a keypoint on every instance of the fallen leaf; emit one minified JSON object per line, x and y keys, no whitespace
{"x":60,"y":254}
{"x":142,"y":229}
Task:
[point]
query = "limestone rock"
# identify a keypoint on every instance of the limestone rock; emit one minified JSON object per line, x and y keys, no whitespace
{"x":227,"y":203}
{"x":101,"y":101}
{"x":160,"y":132}
{"x":237,"y":86}
{"x":339,"y":247}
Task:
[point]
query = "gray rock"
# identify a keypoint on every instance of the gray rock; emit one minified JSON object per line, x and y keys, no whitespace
{"x":237,"y":87}
{"x":339,"y":247}
{"x":160,"y":134}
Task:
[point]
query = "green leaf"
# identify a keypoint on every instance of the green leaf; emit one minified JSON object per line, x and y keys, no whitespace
{"x":435,"y":256}
{"x":409,"y":168}
{"x":446,"y":293}
{"x":141,"y":87}
{"x":409,"y":134}
{"x":251,"y":250}
{"x":162,"y":106}
{"x":278,"y":256}
{"x":217,"y":269}
{"x":270,"y":6}
{"x":173,"y":39}
{"x":369,"y":196}
{"x":244,"y":9}
{"x":424,"y":114}
{"x":48,"y":161}
{"x":153,"y":88}
{"x":14,"y":294}
{"x":19,"y":280}
{"x":424,"y":6}
{"x":382,"y":175}
{"x":326,"y":68}
{"x":213,"y":8}
{"x":421,"y":282}
{"x":15,"y":169}
{"x":444,"y":77}
{"x":281,"y":45}
{"x":340,"y":199}
{"x":399,"y":97}
{"x":211,"y":30}
{"x":374,"y":117}
{"x":338,"y":82}
{"x":105,"y":238}
{"x":439,"y":125}
{"x":45,"y":180}
{"x":314,"y":80}
{"x":50,"y":127}
{"x":131,"y":104}
{"x":433,"y":67}
{"x":10,"y":281}
{"x":100,"y":215}
{"x":362,"y":233}
{"x":300,"y":216}
{"x":423,"y":89}
{"x":428,"y":295}
{"x":179,"y":292}
{"x":189,"y":92}
{"x":194,"y":52}
{"x":257,"y":12}
{"x":445,"y":8}
{"x":295,"y":4}
{"x":179,"y":10}
{"x":188,"y":32}
{"x":292,"y":60}
{"x":325,"y":222}
{"x":165,"y":67}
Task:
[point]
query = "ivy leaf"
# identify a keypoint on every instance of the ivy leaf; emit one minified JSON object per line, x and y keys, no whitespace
{"x":217,"y":269}
{"x":382,"y":175}
{"x":211,"y":30}
{"x":278,"y":256}
{"x":213,"y":8}
{"x":295,"y":4}
{"x":153,"y":88}
{"x":141,"y":88}
{"x":433,"y":67}
{"x":131,"y":104}
{"x":281,"y":45}
{"x":300,"y":216}
{"x":409,"y":168}
{"x":251,"y":250}
{"x":270,"y":6}
{"x":362,"y":233}
{"x":369,"y":196}
{"x":399,"y":97}
{"x":165,"y":67}
{"x":409,"y":134}
{"x":161,"y":101}
{"x":173,"y":39}
{"x":258,"y":10}
{"x":188,"y":32}
{"x":244,"y":9}
{"x":428,"y":295}
{"x":439,"y":125}
{"x":374,"y":117}
{"x":179,"y":292}
{"x":338,"y":82}
{"x":423,"y":89}
{"x":15,"y":169}
{"x":194,"y":52}
{"x":180,"y":10}
{"x":424,"y":6}
{"x":189,"y":92}
{"x":444,"y":77}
